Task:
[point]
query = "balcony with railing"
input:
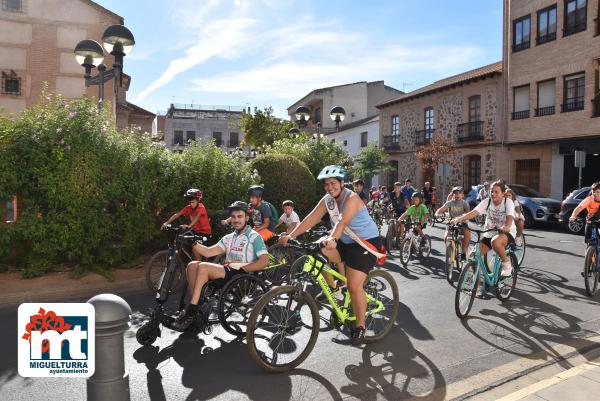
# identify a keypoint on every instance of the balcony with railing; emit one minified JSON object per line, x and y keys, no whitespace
{"x":545,"y":111}
{"x":571,"y":29}
{"x":391,"y":142}
{"x":519,"y":115}
{"x":549,"y":37}
{"x":596,"y":106}
{"x":521,"y":46}
{"x":471,"y":131}
{"x":574,"y":104}
{"x":422,"y":137}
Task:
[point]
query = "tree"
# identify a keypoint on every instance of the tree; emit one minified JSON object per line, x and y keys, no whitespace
{"x":439,"y":150}
{"x":262,"y":128}
{"x":371,"y":161}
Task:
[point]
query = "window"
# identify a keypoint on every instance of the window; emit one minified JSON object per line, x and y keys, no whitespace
{"x":520,"y":102}
{"x":13,"y":6}
{"x":546,"y":91}
{"x":575,"y":16}
{"x":234,"y":139}
{"x":363,"y":140}
{"x":474,"y":108}
{"x":11,"y":210}
{"x":528,"y":173}
{"x":395,"y":129}
{"x":217,"y":136}
{"x":521,"y":33}
{"x":178,"y":138}
{"x":317,"y":115}
{"x":345,"y":142}
{"x":429,"y":123}
{"x":11,"y":83}
{"x":546,"y":27}
{"x":190,"y":136}
{"x":472,"y":171}
{"x":574,"y":92}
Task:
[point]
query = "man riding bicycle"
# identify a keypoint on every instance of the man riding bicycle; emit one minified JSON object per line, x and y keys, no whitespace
{"x":591,"y":204}
{"x":245,"y":251}
{"x":353,"y":242}
{"x":418,"y":214}
{"x":455,"y":208}
{"x":397,"y":200}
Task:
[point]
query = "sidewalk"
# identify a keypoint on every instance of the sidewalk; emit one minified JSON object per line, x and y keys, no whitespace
{"x":59,"y":287}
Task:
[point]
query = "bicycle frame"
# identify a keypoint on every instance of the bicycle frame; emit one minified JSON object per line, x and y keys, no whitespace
{"x":492,"y":278}
{"x":315,"y":267}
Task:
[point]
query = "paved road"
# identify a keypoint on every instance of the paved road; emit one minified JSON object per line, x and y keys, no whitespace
{"x":429,"y":348}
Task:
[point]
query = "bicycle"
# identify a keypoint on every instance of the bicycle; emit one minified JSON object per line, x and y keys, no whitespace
{"x":413,"y":241}
{"x":277,"y":334}
{"x":591,"y":266}
{"x":469,"y":277}
{"x":431,"y":217}
{"x":454,"y":261}
{"x":519,"y":251}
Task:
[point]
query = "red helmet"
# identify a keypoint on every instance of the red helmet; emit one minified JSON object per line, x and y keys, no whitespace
{"x":375,"y":195}
{"x":193,"y":193}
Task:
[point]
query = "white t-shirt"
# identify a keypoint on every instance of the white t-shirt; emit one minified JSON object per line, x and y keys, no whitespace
{"x":495,"y":216}
{"x":289,"y":220}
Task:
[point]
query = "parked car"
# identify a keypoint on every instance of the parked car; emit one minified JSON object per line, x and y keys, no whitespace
{"x":566,"y":209}
{"x":536,"y":207}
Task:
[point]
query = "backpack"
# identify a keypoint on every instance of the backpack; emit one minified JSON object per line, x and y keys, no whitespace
{"x":490,"y":202}
{"x":274,"y":214}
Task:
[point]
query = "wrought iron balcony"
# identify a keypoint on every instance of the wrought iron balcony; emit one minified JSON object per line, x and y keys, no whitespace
{"x":574,"y":28}
{"x":573,"y":105}
{"x":391,"y":142}
{"x":423,"y":137}
{"x":549,"y":37}
{"x":545,"y":111}
{"x":519,"y":115}
{"x":521,"y":46}
{"x":471,"y":131}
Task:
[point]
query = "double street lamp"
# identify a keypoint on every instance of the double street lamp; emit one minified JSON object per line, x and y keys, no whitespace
{"x":118,"y":41}
{"x":302,"y":115}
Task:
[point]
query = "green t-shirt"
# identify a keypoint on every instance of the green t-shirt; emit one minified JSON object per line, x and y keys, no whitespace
{"x":418,"y":214}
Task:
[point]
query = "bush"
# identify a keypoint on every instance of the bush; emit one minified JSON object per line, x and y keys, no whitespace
{"x":286,"y":177}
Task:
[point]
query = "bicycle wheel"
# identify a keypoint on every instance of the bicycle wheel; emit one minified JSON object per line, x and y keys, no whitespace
{"x":237,"y":299}
{"x":381,"y":286}
{"x":282,"y":329}
{"x":281,"y":256}
{"x":450,"y":260}
{"x":520,"y":252}
{"x":590,"y":273}
{"x":506,"y":285}
{"x":154,"y":270}
{"x":389,"y":236}
{"x":405,"y":248}
{"x":425,"y":246}
{"x":465,"y":290}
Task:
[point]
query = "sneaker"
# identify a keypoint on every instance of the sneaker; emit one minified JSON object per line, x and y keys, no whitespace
{"x":183,"y":321}
{"x":479,"y":292}
{"x":506,"y":269}
{"x":358,"y":336}
{"x":519,"y":241}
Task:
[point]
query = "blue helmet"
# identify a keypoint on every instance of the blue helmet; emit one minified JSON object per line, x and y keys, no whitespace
{"x":332,"y":171}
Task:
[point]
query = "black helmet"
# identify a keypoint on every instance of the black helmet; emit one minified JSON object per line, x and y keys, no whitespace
{"x":417,"y":195}
{"x":193,"y":193}
{"x":238,"y":205}
{"x":256,"y":190}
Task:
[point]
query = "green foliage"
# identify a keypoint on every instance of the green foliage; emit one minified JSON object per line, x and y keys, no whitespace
{"x":371,"y":161}
{"x":262,"y":128}
{"x":91,"y":196}
{"x":286,"y":177}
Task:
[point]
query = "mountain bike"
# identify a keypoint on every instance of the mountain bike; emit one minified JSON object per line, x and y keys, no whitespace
{"x":469,"y":277}
{"x":454,"y":242}
{"x":591,"y":266}
{"x":413,"y":242}
{"x":284,"y":324}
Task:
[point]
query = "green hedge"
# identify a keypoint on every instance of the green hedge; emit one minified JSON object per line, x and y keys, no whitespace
{"x":92,"y":196}
{"x":286,"y":177}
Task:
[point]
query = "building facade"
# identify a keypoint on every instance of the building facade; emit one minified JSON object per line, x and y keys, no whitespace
{"x":552,"y":55}
{"x":185,"y":123}
{"x":37,"y":39}
{"x":466,"y":110}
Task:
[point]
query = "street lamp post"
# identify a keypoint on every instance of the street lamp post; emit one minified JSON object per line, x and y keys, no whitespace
{"x":118,"y":41}
{"x":302,"y":115}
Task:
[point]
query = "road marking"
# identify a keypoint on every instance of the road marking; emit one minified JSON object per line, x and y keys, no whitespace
{"x":534,"y":388}
{"x":565,"y":241}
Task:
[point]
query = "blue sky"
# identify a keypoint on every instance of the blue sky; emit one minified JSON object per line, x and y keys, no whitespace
{"x":273,"y":52}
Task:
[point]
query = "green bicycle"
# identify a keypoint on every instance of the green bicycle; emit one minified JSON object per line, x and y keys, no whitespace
{"x":284,"y":324}
{"x":469,"y":278}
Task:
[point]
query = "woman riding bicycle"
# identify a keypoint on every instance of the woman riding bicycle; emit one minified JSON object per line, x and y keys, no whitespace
{"x":354,"y":231}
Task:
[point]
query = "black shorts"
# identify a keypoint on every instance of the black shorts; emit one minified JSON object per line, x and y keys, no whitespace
{"x":356,"y":257}
{"x":487,"y":241}
{"x":230,"y":272}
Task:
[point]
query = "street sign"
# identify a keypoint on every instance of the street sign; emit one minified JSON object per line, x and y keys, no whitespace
{"x":580,"y":159}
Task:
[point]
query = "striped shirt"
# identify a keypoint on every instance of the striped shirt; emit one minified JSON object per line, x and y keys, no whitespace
{"x":243,"y":248}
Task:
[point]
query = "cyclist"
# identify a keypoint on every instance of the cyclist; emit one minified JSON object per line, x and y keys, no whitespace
{"x":484,"y":192}
{"x":359,"y":186}
{"x":499,"y":214}
{"x":374,"y":206}
{"x":261,"y":213}
{"x":591,"y":204}
{"x":455,"y":208}
{"x":519,"y":217}
{"x":418,"y":214}
{"x":408,"y":190}
{"x":385,"y":196}
{"x":289,"y":217}
{"x":354,"y":232}
{"x":245,"y":251}
{"x":427,"y":191}
{"x":196,"y":211}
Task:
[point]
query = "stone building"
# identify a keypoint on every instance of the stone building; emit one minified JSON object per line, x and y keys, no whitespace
{"x":37,"y":39}
{"x":465,"y":109}
{"x":552,"y":53}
